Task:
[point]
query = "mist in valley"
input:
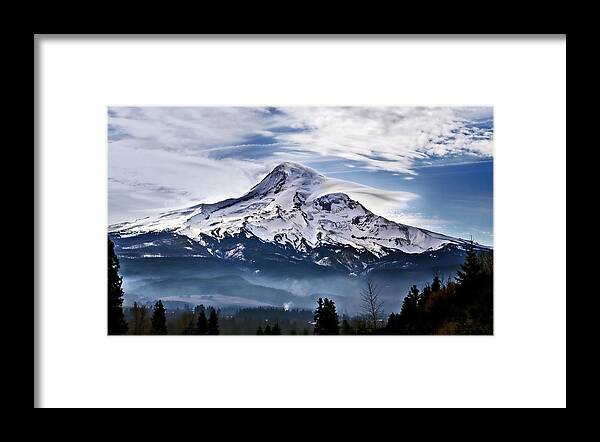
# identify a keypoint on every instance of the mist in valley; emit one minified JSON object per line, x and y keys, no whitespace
{"x":192,"y":281}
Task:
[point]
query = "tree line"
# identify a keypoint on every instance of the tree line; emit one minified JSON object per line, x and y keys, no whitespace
{"x":463,"y":305}
{"x":460,"y":306}
{"x":187,"y":322}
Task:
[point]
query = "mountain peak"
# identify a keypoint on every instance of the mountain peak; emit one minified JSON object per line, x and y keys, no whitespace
{"x":294,"y":169}
{"x":288,"y":175}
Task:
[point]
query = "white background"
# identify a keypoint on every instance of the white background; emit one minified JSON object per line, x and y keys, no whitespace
{"x":523,"y":365}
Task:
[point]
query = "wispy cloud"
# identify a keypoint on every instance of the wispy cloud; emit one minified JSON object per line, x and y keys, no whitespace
{"x":182,"y":128}
{"x":385,"y":138}
{"x":376,"y":200}
{"x":391,"y":139}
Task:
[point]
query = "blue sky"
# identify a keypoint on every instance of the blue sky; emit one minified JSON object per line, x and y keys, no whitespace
{"x":431,"y":167}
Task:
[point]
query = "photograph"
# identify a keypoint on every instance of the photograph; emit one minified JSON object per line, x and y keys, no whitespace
{"x":300,"y":220}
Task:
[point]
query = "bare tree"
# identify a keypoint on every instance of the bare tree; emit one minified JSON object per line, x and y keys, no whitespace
{"x":372,"y":305}
{"x":140,"y":319}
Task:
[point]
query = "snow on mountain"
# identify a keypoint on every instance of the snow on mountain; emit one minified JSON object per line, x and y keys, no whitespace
{"x":292,"y":206}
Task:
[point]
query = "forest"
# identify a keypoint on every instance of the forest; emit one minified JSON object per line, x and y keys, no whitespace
{"x":462,"y":305}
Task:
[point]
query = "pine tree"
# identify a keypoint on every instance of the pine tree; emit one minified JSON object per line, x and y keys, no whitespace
{"x":116,"y":319}
{"x":424,"y":306}
{"x":410,"y":314}
{"x":276,"y":330}
{"x":201,"y":322}
{"x":436,"y":285}
{"x":333,"y":321}
{"x":318,"y":317}
{"x":213,"y":322}
{"x":159,"y":319}
{"x":470,"y":269}
{"x":259,"y":332}
{"x":268,"y":330}
{"x":326,"y":318}
{"x":424,"y":297}
{"x":468,"y":279}
{"x":394,"y":324}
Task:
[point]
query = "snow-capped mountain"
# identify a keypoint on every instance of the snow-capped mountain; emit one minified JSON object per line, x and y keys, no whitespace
{"x":291,"y":238}
{"x":291,"y":207}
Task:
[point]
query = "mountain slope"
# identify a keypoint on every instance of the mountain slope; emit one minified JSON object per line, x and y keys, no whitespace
{"x":290,"y":207}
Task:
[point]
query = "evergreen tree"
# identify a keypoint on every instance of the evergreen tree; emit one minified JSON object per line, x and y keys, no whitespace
{"x":201,"y":321}
{"x":116,"y":319}
{"x":410,"y":313}
{"x":394,"y":324}
{"x":436,"y":285}
{"x":276,"y":330}
{"x":213,"y":322}
{"x":423,"y":319}
{"x":317,"y":317}
{"x":333,"y":321}
{"x":326,"y":318}
{"x":485,"y":298}
{"x":427,"y":290}
{"x":268,"y":330}
{"x":469,"y":281}
{"x":424,"y":296}
{"x":159,"y":319}
{"x":470,"y":269}
{"x":259,"y":331}
{"x":475,"y":295}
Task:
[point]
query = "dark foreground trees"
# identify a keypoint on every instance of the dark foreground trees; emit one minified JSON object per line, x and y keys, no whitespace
{"x":159,"y":319}
{"x":201,"y":321}
{"x":182,"y":321}
{"x":409,"y":319}
{"x":213,"y":322}
{"x":269,"y":331}
{"x":116,"y":319}
{"x":463,"y":307}
{"x":326,"y":318}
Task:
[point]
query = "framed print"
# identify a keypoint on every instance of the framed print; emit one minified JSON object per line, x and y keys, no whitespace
{"x":228,"y":221}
